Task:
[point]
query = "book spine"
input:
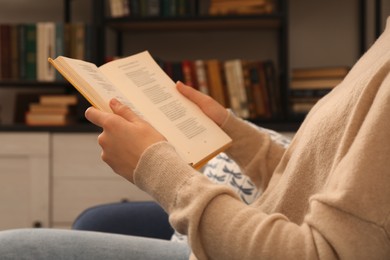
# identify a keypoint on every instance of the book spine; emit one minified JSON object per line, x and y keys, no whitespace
{"x":31,"y":51}
{"x":5,"y":36}
{"x":177,"y":71}
{"x":272,"y":88}
{"x":15,"y":51}
{"x":214,"y":75}
{"x":249,"y":89}
{"x":200,"y":69}
{"x":41,"y":50}
{"x":78,"y":41}
{"x":90,"y":46}
{"x":153,"y":8}
{"x":116,"y":8}
{"x":188,"y":73}
{"x":236,"y":88}
{"x":135,"y":8}
{"x":59,"y":45}
{"x":258,"y":93}
{"x":264,"y":88}
{"x":45,"y":49}
{"x":50,"y":72}
{"x":22,"y":51}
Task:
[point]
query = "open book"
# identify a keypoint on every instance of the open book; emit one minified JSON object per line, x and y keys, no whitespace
{"x":139,"y":82}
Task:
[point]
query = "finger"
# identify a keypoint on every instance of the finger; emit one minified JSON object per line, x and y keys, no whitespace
{"x":122,"y":110}
{"x":192,"y":94}
{"x":95,"y":116}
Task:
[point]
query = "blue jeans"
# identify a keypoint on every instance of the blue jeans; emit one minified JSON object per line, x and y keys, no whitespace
{"x":71,"y":244}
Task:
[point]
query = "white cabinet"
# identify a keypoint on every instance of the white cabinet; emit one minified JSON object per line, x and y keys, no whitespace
{"x":48,"y":179}
{"x":80,"y":179}
{"x":24,"y":180}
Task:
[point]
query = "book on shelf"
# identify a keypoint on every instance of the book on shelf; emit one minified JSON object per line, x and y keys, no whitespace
{"x":189,"y":76}
{"x":140,"y":83}
{"x":60,"y":100}
{"x":49,"y":108}
{"x":216,"y":76}
{"x":308,"y":85}
{"x":47,"y":119}
{"x":29,"y":44}
{"x":52,"y":110}
{"x":322,"y":83}
{"x":302,"y":100}
{"x":318,"y":78}
{"x":150,"y":8}
{"x":235,"y":82}
{"x":24,"y":48}
{"x":5,"y":51}
{"x":242,"y":7}
{"x":201,"y":76}
{"x":326,"y":72}
{"x":45,"y":48}
{"x":15,"y":51}
{"x":257,"y":99}
{"x":302,"y":107}
{"x":182,"y":8}
{"x":156,"y":8}
{"x":119,"y":8}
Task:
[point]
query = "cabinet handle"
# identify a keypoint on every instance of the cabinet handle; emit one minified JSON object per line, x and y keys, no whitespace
{"x":37,"y":224}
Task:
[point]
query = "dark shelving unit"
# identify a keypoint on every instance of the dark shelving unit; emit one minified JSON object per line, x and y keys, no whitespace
{"x":277,"y":22}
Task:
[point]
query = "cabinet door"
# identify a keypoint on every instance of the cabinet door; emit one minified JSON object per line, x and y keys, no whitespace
{"x":24,"y":180}
{"x":81,"y":179}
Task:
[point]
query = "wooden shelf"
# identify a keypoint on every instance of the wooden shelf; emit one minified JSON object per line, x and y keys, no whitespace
{"x":75,"y":128}
{"x":31,"y":83}
{"x":195,"y":23}
{"x":280,"y":126}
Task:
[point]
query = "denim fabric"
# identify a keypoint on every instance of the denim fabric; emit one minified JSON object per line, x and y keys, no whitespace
{"x":70,"y":244}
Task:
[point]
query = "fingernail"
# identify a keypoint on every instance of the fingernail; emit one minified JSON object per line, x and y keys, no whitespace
{"x":114,"y":102}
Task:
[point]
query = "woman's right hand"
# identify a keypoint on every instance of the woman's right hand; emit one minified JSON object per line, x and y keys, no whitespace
{"x":207,"y":104}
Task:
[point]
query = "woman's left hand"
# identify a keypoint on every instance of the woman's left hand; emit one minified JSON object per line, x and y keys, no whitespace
{"x":124,"y":138}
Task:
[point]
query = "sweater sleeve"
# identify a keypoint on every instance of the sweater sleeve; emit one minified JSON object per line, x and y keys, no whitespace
{"x":253,"y":150}
{"x":218,"y":224}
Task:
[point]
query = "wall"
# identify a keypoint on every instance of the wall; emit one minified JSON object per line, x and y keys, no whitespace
{"x":325,"y":33}
{"x":322,"y":33}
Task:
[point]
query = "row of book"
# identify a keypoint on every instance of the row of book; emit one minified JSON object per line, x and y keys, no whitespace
{"x":242,"y":7}
{"x":25,"y":48}
{"x":249,"y":88}
{"x":52,"y":110}
{"x":308,"y":85}
{"x":179,"y":8}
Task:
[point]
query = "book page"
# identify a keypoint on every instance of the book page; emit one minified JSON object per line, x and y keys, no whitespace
{"x":91,"y":83}
{"x":151,"y":91}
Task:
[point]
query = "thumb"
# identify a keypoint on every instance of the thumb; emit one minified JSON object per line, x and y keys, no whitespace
{"x":122,"y":110}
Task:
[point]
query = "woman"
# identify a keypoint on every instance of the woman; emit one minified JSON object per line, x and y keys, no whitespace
{"x":325,"y":197}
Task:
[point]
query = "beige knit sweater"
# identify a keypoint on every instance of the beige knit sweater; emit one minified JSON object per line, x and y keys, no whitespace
{"x":326,"y":197}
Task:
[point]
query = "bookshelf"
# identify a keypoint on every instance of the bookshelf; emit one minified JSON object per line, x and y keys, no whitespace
{"x":122,"y":29}
{"x":276,"y":22}
{"x":12,"y":86}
